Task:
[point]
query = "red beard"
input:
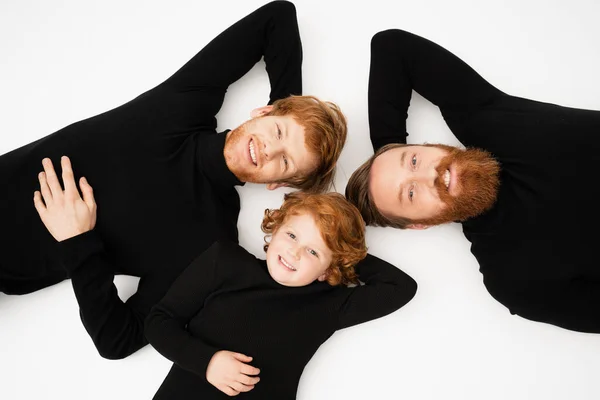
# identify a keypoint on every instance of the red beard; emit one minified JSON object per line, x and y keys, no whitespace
{"x":477,"y":182}
{"x":232,"y":159}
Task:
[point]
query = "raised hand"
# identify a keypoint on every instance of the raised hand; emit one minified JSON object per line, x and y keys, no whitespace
{"x":230,"y":373}
{"x":64,"y":213}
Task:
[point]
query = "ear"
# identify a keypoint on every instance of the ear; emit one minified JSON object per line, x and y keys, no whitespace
{"x":418,"y":226}
{"x":261,"y":111}
{"x":273,"y":186}
{"x":323,"y":277}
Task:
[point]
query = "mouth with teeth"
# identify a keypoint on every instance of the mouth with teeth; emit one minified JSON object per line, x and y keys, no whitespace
{"x":252,"y":152}
{"x":287,"y":265}
{"x":450,"y":179}
{"x":446,"y":177}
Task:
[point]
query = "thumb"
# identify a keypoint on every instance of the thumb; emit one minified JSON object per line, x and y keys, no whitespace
{"x":242,"y":357}
{"x":88,"y":193}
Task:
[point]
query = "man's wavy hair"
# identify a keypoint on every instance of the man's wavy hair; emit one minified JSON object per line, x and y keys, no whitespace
{"x":340,"y":223}
{"x":325,"y":135}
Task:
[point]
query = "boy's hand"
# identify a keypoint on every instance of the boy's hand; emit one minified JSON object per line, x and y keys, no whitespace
{"x":230,"y":373}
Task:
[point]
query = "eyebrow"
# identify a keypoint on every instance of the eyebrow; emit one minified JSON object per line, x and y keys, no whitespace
{"x":403,"y":157}
{"x":287,"y":226}
{"x":311,"y":245}
{"x":401,"y":194}
{"x":285,"y":130}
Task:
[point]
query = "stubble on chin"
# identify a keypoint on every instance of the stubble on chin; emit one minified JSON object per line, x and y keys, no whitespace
{"x":239,"y":167}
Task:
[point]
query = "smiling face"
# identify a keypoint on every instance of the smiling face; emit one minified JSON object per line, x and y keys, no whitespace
{"x":268,"y":149}
{"x":297,"y":254}
{"x":433,"y":184}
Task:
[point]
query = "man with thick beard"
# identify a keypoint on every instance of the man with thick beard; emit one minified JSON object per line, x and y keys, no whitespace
{"x":520,"y":188}
{"x":163,"y":178}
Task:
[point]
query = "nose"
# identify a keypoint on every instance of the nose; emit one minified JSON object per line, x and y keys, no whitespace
{"x":426,"y":177}
{"x":272,"y":148}
{"x":294,"y":252}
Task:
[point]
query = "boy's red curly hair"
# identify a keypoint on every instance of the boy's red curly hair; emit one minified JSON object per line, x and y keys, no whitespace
{"x":340,"y":223}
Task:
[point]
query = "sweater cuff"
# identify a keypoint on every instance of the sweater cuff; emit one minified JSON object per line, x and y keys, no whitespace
{"x":76,"y":250}
{"x":200,"y":357}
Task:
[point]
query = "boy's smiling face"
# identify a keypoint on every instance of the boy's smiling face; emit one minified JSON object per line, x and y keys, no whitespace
{"x":297,"y":254}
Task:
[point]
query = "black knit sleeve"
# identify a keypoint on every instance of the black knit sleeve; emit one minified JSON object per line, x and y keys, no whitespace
{"x":270,"y":32}
{"x":116,"y":328}
{"x":166,"y":324}
{"x":385,"y":289}
{"x":572,"y":304}
{"x":402,"y":62}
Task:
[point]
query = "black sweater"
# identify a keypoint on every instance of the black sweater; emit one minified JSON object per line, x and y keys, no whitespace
{"x":163,"y":190}
{"x":533,"y":253}
{"x":226,"y":300}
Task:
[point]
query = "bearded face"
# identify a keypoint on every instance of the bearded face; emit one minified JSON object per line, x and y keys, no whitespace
{"x":434,"y":184}
{"x":268,"y":149}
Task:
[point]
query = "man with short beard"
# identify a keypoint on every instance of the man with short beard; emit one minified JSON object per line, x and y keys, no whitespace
{"x":163,"y":178}
{"x":521,"y":188}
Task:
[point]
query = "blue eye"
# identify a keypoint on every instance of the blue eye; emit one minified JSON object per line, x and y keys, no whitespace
{"x":411,"y":193}
{"x":313,"y":253}
{"x":291,"y":235}
{"x":285,"y":161}
{"x":414,"y":161}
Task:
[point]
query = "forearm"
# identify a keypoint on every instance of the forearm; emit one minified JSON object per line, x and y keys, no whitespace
{"x":270,"y":31}
{"x":385,"y":289}
{"x":165,"y":326}
{"x":374,"y":270}
{"x":574,"y":305}
{"x":115,"y":327}
{"x":389,"y":93}
{"x":168,"y":335}
{"x":283,"y":52}
{"x":402,"y":62}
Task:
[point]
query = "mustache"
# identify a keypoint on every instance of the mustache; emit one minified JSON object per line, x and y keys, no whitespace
{"x":477,"y":182}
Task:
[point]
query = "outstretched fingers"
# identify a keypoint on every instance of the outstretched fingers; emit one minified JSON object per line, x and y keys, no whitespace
{"x":88,"y":192}
{"x":52,"y":180}
{"x":88,"y":197}
{"x":68,"y":178}
{"x":45,"y":191}
{"x":40,"y":207}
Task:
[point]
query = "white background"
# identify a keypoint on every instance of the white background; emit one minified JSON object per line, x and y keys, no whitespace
{"x":66,"y":60}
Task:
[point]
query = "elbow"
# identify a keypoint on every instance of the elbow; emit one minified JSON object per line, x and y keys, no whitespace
{"x":400,"y":296}
{"x":410,"y":289}
{"x":387,"y":40}
{"x":413,"y":287}
{"x":283,"y":9}
{"x":406,"y":292}
{"x":120,"y":346}
{"x":113,"y":353}
{"x":117,"y":338}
